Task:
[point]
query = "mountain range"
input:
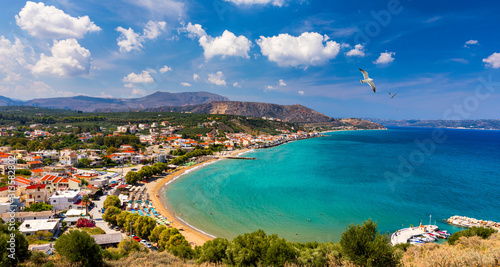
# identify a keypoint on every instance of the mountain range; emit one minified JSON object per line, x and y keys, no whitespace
{"x":193,"y":102}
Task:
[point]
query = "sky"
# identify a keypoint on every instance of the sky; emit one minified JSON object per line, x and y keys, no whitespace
{"x":441,"y":58}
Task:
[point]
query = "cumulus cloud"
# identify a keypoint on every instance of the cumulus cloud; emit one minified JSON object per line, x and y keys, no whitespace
{"x":138,"y":92}
{"x":217,"y":78}
{"x":257,"y":2}
{"x":357,"y":51}
{"x":49,"y":22}
{"x":68,"y":59}
{"x":471,"y":42}
{"x":13,"y":58}
{"x":165,"y":69}
{"x":143,"y":77}
{"x":236,"y":84}
{"x":194,"y":31}
{"x":308,"y":49}
{"x":185,"y":84}
{"x":196,"y":77}
{"x":227,"y":44}
{"x":282,"y":82}
{"x":301,"y":92}
{"x":493,"y":61}
{"x":130,"y":40}
{"x":385,"y":58}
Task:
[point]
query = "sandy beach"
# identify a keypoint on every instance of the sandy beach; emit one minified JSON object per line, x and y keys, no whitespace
{"x":192,"y":235}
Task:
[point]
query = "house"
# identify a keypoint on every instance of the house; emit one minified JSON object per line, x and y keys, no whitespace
{"x":31,"y":215}
{"x":37,"y":172}
{"x":10,"y":204}
{"x":56,"y":182}
{"x":35,"y":164}
{"x":30,"y":227}
{"x":65,"y":200}
{"x":68,"y":157}
{"x":37,"y":193}
{"x":108,"y":240}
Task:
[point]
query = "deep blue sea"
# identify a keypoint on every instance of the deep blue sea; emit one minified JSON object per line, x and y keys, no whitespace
{"x":311,"y":190}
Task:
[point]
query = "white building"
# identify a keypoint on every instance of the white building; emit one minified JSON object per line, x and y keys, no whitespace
{"x":65,"y":200}
{"x":30,"y":227}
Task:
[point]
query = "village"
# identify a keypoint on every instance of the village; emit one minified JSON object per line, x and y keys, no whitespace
{"x":54,"y":190}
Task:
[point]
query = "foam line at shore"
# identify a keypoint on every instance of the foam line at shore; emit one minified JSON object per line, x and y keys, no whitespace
{"x":190,"y":226}
{"x":190,"y":170}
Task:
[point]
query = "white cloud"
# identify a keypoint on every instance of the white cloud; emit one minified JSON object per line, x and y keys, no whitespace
{"x":194,"y":31}
{"x":153,"y":29}
{"x":130,"y":40}
{"x":225,"y":45}
{"x":217,"y":78}
{"x":68,"y":59}
{"x":269,"y":87}
{"x":385,"y":58}
{"x":165,"y":69}
{"x":236,"y":84}
{"x":357,"y":51}
{"x":32,"y":89}
{"x":309,"y":48}
{"x":143,"y":77}
{"x":13,"y":58}
{"x":138,"y":92}
{"x":129,"y":85}
{"x":282,"y":83}
{"x":49,"y":22}
{"x":196,"y":77}
{"x":185,"y":84}
{"x":493,"y":61}
{"x":471,"y":42}
{"x":257,"y":2}
{"x":301,"y":92}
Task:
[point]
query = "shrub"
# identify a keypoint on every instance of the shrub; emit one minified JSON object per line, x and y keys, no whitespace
{"x":473,"y":231}
{"x":82,"y":222}
{"x":79,"y":247}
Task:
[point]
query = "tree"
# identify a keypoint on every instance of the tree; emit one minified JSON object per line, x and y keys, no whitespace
{"x":86,"y":201}
{"x":111,"y":150}
{"x":128,"y":245}
{"x":155,"y":234}
{"x":365,"y":246}
{"x":473,"y":231}
{"x":111,"y":201}
{"x":213,"y":251}
{"x":16,"y":245}
{"x":132,"y":177}
{"x":110,"y":216}
{"x":280,"y":252}
{"x":79,"y":247}
{"x":170,"y":238}
{"x":248,"y":249}
{"x":143,"y":226}
{"x":121,"y":218}
{"x":39,"y":207}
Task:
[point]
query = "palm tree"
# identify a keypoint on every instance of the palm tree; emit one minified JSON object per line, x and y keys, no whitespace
{"x":86,"y":201}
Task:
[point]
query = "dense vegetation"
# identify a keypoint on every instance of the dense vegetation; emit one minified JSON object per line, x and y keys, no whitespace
{"x":473,"y":231}
{"x":39,"y":207}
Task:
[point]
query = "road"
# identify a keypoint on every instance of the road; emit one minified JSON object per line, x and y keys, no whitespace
{"x":97,"y":216}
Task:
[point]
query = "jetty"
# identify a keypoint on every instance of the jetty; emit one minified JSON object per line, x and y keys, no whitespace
{"x":403,"y":235}
{"x":467,"y":222}
{"x":241,"y":158}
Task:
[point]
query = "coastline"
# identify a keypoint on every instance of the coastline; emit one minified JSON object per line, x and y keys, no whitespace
{"x":156,"y":191}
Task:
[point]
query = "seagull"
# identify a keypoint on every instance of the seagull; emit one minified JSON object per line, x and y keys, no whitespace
{"x":367,"y":80}
{"x":393,"y":95}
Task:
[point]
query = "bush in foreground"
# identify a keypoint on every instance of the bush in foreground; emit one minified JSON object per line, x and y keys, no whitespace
{"x":473,"y":231}
{"x":79,"y":247}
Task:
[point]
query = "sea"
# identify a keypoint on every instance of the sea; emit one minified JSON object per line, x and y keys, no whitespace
{"x":312,"y":190}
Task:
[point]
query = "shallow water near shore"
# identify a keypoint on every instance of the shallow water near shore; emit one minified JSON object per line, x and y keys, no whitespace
{"x":311,"y":190}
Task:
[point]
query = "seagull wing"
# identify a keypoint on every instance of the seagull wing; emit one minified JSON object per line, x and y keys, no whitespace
{"x":365,"y":74}
{"x":393,"y":95}
{"x":372,"y":85}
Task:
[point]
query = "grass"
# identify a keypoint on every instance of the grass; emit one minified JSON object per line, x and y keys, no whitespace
{"x":92,"y":231}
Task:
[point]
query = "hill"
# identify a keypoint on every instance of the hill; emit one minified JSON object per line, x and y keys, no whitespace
{"x":287,"y":113}
{"x":93,"y":104}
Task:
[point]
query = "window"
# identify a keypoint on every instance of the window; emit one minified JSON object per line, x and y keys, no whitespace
{"x":38,"y":196}
{"x":54,"y":201}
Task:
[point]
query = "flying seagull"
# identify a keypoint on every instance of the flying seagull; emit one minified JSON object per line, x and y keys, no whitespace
{"x":393,"y":95}
{"x":367,"y":80}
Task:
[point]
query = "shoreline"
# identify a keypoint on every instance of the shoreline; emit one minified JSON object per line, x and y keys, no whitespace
{"x":156,"y":191}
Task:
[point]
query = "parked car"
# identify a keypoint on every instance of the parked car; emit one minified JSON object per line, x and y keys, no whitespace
{"x":136,"y":238}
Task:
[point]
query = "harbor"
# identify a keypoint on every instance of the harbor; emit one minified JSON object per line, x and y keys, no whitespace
{"x":467,"y":222}
{"x":418,"y":235}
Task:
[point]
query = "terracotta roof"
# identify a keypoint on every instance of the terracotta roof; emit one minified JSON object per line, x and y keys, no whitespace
{"x":35,"y":162}
{"x":35,"y":186}
{"x":6,"y":188}
{"x":22,"y":180}
{"x":75,"y":180}
{"x":37,"y":170}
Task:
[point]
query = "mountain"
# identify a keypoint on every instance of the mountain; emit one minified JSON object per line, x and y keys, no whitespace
{"x":98,"y":104}
{"x":5,"y":101}
{"x":288,"y":113}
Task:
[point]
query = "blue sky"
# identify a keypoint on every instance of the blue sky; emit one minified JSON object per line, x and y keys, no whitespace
{"x":442,"y":58}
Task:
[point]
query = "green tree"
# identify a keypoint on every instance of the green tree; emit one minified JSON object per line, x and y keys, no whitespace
{"x":121,"y":218}
{"x":143,"y":226}
{"x":86,"y":200}
{"x":39,"y":207}
{"x":473,"y":231}
{"x":110,"y":215}
{"x":365,"y":246}
{"x":128,"y":245}
{"x":248,"y":249}
{"x":170,"y":238}
{"x":79,"y":247}
{"x":155,"y":234}
{"x":213,"y":251}
{"x":111,"y":201}
{"x":16,"y":246}
{"x":280,"y":252}
{"x":132,"y":177}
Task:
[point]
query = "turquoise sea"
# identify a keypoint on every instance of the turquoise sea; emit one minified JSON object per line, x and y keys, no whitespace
{"x":311,"y":190}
